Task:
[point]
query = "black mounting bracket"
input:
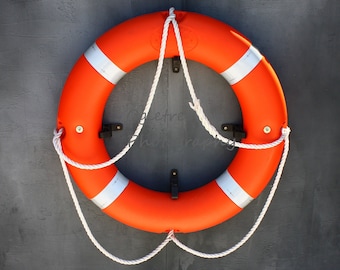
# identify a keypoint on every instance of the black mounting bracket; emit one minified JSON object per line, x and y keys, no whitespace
{"x":174,"y":184}
{"x":107,"y":130}
{"x":176,"y":64}
{"x":237,"y":130}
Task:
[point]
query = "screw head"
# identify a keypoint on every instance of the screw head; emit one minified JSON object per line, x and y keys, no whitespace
{"x":79,"y":129}
{"x":267,"y":129}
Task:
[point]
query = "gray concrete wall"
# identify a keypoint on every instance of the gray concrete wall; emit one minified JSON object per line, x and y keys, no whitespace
{"x":39,"y":228}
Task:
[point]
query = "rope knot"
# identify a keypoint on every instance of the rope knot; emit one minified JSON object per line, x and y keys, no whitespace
{"x":286,"y":132}
{"x":171,"y":235}
{"x":58,"y":133}
{"x":172,"y":15}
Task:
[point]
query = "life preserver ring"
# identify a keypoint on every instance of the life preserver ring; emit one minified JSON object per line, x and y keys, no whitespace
{"x":132,"y":44}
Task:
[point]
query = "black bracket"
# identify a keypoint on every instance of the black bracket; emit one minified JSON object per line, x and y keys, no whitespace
{"x":176,"y":64}
{"x":107,"y":130}
{"x":237,"y":131}
{"x":174,"y":184}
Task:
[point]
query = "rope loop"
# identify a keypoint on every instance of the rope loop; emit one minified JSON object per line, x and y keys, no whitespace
{"x":195,"y":105}
{"x":257,"y":222}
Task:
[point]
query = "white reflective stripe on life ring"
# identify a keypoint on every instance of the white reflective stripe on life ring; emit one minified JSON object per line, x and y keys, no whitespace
{"x":103,"y":65}
{"x":243,"y":66}
{"x":111,"y":192}
{"x":233,"y":190}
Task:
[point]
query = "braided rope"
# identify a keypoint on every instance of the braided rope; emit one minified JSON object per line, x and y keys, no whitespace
{"x":257,"y":222}
{"x":64,"y":158}
{"x":195,"y":105}
{"x":92,"y":237}
{"x":58,"y":133}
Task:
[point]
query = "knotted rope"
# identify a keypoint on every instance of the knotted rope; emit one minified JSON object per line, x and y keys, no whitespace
{"x":195,"y":105}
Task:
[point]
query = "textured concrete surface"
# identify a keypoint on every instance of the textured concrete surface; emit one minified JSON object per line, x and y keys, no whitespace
{"x":39,"y":229}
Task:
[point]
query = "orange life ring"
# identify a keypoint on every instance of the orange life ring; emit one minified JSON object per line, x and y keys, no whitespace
{"x":134,"y":43}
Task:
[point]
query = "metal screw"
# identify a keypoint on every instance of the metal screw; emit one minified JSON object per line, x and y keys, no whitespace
{"x":225,"y":128}
{"x":79,"y":129}
{"x":267,"y":129}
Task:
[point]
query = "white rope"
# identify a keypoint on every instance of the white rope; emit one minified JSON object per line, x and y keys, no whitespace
{"x":92,"y":237}
{"x":257,"y":222}
{"x":57,"y":134}
{"x":63,"y":159}
{"x":195,"y":105}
